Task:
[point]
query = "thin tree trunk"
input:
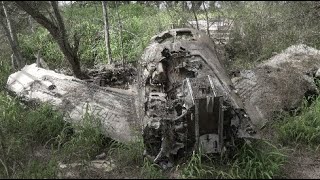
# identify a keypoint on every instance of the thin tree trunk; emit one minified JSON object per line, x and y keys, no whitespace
{"x":207,"y":18}
{"x":121,"y":35}
{"x":106,"y":31}
{"x":6,"y":30}
{"x":38,"y":55}
{"x":31,"y":24}
{"x":12,"y":37}
{"x":70,"y":53}
{"x":57,"y":30}
{"x":195,"y":15}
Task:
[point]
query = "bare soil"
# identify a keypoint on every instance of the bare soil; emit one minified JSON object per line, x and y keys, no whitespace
{"x":302,"y":164}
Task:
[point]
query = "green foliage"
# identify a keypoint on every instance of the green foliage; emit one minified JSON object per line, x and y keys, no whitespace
{"x":87,"y":23}
{"x":150,"y":170}
{"x":5,"y":71}
{"x":86,"y":141}
{"x":196,"y":167}
{"x":263,"y":28}
{"x":20,"y":130}
{"x":138,"y":28}
{"x":5,"y":65}
{"x":43,"y":124}
{"x":259,"y":160}
{"x":304,"y":128}
{"x":23,"y":130}
{"x":131,"y":154}
{"x":127,"y":154}
{"x":256,"y":160}
{"x":39,"y":170}
{"x":43,"y":41}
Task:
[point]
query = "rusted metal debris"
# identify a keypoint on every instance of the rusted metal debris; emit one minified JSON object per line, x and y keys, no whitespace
{"x":188,"y":99}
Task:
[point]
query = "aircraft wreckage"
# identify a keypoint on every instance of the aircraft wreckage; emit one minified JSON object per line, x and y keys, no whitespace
{"x":183,"y":98}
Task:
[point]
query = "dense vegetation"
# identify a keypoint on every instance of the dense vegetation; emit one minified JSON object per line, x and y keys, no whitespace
{"x":260,"y":30}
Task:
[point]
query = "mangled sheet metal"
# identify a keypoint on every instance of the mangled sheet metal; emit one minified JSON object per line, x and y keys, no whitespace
{"x":187,"y":99}
{"x":278,"y":84}
{"x":114,"y":107}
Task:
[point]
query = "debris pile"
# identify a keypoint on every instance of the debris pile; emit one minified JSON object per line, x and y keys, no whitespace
{"x":116,"y":76}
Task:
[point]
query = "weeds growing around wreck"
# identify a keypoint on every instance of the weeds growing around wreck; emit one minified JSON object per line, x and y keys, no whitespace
{"x":255,"y":160}
{"x":26,"y":132}
{"x":304,"y":128}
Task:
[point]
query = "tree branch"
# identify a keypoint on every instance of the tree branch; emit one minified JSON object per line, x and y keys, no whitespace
{"x":60,"y":24}
{"x":41,"y":19}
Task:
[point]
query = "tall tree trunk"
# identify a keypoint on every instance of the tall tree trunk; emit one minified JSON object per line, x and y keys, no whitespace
{"x":207,"y":18}
{"x":106,"y":31}
{"x":58,"y":32}
{"x":13,"y":39}
{"x":195,"y":14}
{"x":121,"y":34}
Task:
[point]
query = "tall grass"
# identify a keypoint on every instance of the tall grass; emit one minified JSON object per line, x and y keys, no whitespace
{"x":21,"y":131}
{"x":303,"y":128}
{"x":5,"y":70}
{"x":127,"y":154}
{"x":150,"y":170}
{"x":263,"y":28}
{"x":24,"y":130}
{"x":197,"y":168}
{"x":258,"y":159}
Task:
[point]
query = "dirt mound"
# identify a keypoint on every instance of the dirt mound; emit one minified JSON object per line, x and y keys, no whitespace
{"x":278,"y":84}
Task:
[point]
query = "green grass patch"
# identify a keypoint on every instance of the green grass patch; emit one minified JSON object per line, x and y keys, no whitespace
{"x":24,"y":131}
{"x":259,"y":160}
{"x":36,"y":169}
{"x":252,"y":161}
{"x":150,"y":170}
{"x":127,"y":154}
{"x":303,"y":128}
{"x":198,"y":166}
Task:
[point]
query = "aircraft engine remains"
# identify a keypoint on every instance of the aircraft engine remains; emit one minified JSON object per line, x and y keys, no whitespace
{"x":188,"y":99}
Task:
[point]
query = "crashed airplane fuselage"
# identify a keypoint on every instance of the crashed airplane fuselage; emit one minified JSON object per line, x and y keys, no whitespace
{"x":187,"y":98}
{"x":184,"y":99}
